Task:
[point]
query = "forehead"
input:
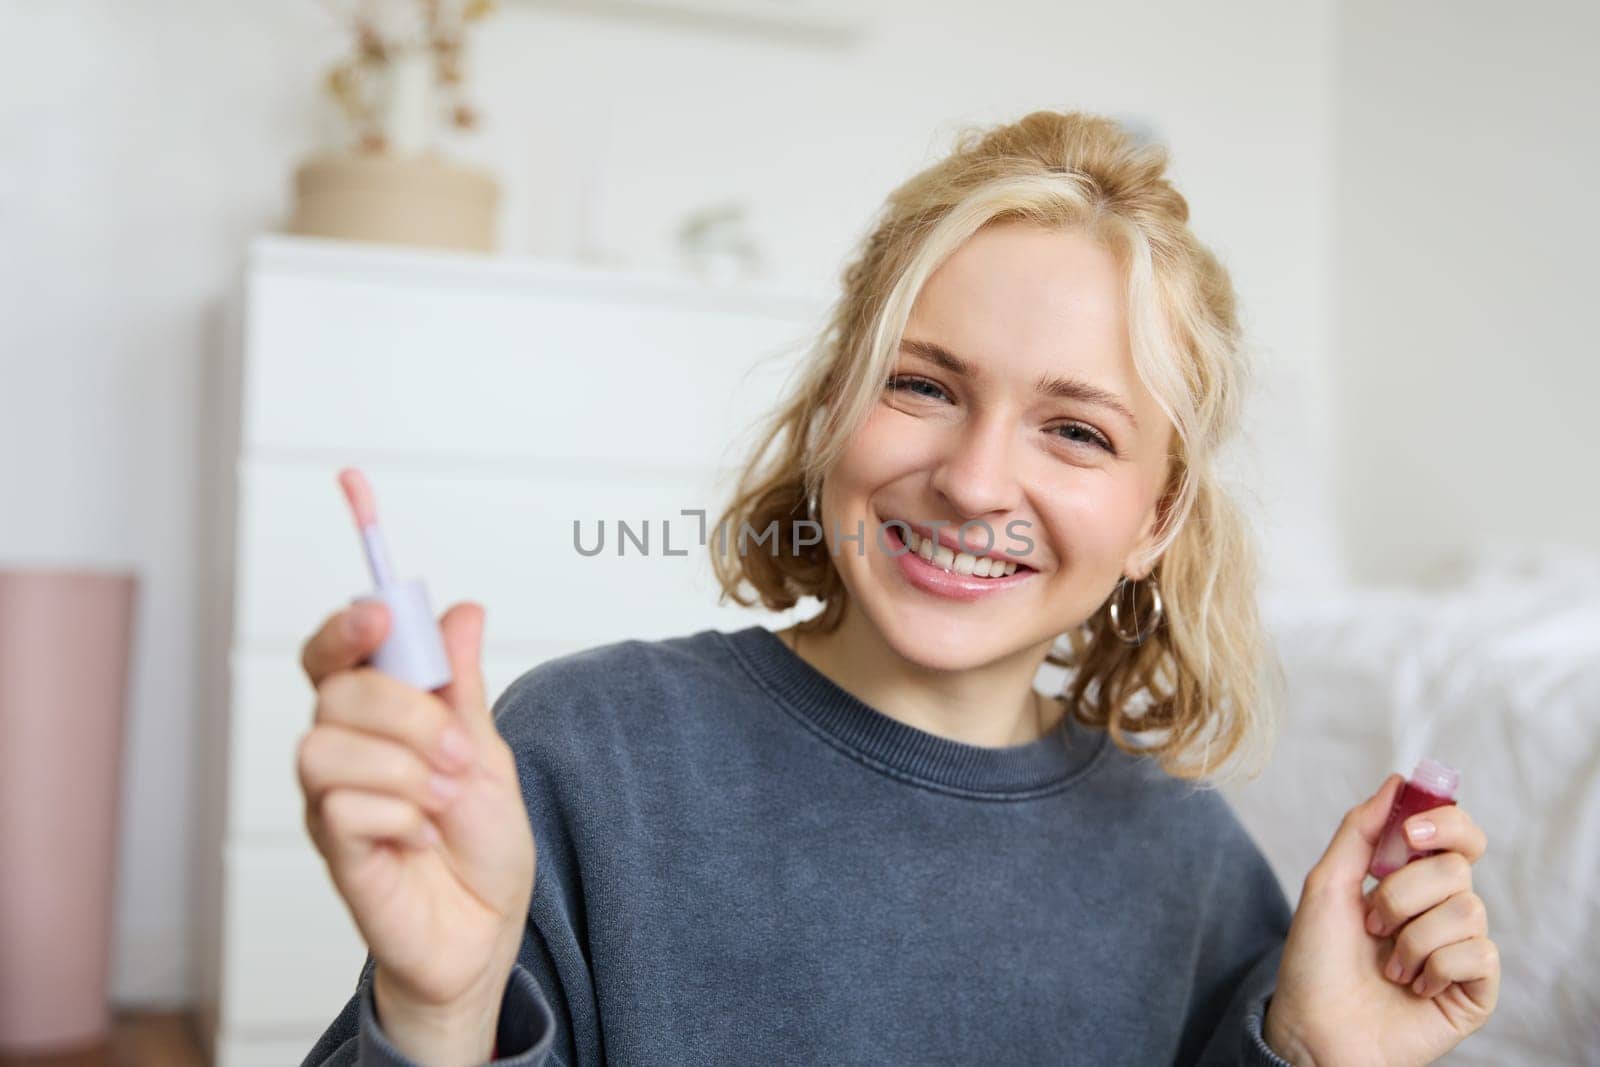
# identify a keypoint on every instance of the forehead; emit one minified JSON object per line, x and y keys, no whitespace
{"x":1024,"y":298}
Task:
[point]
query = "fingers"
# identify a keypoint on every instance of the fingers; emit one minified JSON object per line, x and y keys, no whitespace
{"x":1415,"y":888}
{"x":462,"y":630}
{"x":1473,"y":964}
{"x":1460,"y":918}
{"x":336,"y":757}
{"x":366,"y":700}
{"x":1442,"y":924}
{"x":1453,"y":830}
{"x":350,"y":822}
{"x":345,"y":639}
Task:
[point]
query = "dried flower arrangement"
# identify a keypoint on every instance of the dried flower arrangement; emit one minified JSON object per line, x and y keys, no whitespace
{"x":385,"y":29}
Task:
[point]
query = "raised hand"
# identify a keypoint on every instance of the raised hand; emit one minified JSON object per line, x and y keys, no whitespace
{"x":413,"y":800}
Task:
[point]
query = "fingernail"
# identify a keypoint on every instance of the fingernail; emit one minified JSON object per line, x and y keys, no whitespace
{"x":455,"y":747}
{"x":430,"y":835}
{"x":1419,"y":830}
{"x":444,"y":787}
{"x":1394,"y":969}
{"x":1416,"y":987}
{"x":1374,"y":924}
{"x":355,"y":622}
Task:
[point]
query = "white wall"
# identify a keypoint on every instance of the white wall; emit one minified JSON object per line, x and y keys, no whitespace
{"x":143,"y":144}
{"x":1467,"y":224}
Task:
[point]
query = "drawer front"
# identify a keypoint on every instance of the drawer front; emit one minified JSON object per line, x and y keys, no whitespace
{"x":234,"y":1050}
{"x":546,"y":375}
{"x":291,"y":953}
{"x":504,"y":540}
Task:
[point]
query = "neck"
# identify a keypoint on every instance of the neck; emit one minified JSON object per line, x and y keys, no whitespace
{"x":993,"y":706}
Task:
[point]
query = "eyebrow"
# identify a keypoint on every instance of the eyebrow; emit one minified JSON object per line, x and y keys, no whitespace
{"x":1048,"y":385}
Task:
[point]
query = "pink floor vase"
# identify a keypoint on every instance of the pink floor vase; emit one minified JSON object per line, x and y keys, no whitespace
{"x":64,"y":650}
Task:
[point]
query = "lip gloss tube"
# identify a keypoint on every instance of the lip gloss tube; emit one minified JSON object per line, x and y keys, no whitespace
{"x":1431,"y":785}
{"x":414,"y":651}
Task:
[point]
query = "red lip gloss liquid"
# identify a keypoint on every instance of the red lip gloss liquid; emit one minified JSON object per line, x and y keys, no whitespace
{"x":1431,"y":785}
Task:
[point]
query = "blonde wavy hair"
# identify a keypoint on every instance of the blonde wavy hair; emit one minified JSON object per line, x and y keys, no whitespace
{"x":1195,"y":692}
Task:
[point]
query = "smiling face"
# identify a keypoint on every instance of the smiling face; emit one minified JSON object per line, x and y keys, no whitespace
{"x":1004,"y":411}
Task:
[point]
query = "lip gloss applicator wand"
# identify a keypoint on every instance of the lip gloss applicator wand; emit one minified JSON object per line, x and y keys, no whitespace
{"x":414,"y":651}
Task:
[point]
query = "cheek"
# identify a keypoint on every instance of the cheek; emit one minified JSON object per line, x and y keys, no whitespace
{"x":1094,"y":521}
{"x":883,"y":449}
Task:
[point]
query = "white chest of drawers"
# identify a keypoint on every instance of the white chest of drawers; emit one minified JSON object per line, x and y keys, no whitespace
{"x":492,"y":403}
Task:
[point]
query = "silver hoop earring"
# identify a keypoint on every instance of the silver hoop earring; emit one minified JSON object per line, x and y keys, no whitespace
{"x":811,"y":507}
{"x":1136,"y":638}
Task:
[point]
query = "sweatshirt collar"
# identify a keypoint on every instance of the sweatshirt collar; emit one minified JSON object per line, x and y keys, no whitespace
{"x":1014,"y":772}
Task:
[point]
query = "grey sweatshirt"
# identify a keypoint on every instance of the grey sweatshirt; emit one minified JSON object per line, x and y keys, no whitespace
{"x":739,"y":862}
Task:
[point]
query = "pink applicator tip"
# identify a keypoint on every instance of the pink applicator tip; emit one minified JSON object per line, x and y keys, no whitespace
{"x":359,"y":493}
{"x":363,"y":503}
{"x":414,"y":651}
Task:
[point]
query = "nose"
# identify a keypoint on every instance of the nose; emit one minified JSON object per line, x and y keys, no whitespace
{"x":976,"y":473}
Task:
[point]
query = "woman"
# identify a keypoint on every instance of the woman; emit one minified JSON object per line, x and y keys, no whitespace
{"x":868,"y":838}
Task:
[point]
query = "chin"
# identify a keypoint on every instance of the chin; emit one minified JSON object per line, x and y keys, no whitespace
{"x":939,"y":642}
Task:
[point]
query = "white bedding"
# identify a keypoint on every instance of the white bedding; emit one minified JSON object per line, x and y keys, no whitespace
{"x":1496,"y":672}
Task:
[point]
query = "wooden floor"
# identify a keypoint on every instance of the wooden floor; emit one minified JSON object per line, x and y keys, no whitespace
{"x":145,"y":1039}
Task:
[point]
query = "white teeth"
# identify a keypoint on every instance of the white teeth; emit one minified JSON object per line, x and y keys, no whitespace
{"x":959,"y":562}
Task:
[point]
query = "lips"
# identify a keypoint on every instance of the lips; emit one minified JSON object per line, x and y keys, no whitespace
{"x":953,"y":586}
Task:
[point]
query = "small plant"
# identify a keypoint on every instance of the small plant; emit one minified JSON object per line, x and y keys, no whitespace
{"x":385,"y":30}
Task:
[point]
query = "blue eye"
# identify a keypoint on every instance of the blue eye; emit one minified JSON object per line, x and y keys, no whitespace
{"x":904,"y":383}
{"x":1096,"y":438}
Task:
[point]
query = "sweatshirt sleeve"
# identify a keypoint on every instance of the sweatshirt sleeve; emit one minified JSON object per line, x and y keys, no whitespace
{"x":525,"y":1036}
{"x":1248,"y":922}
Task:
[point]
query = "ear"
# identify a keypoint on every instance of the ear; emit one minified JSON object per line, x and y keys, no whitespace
{"x":1137,"y":565}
